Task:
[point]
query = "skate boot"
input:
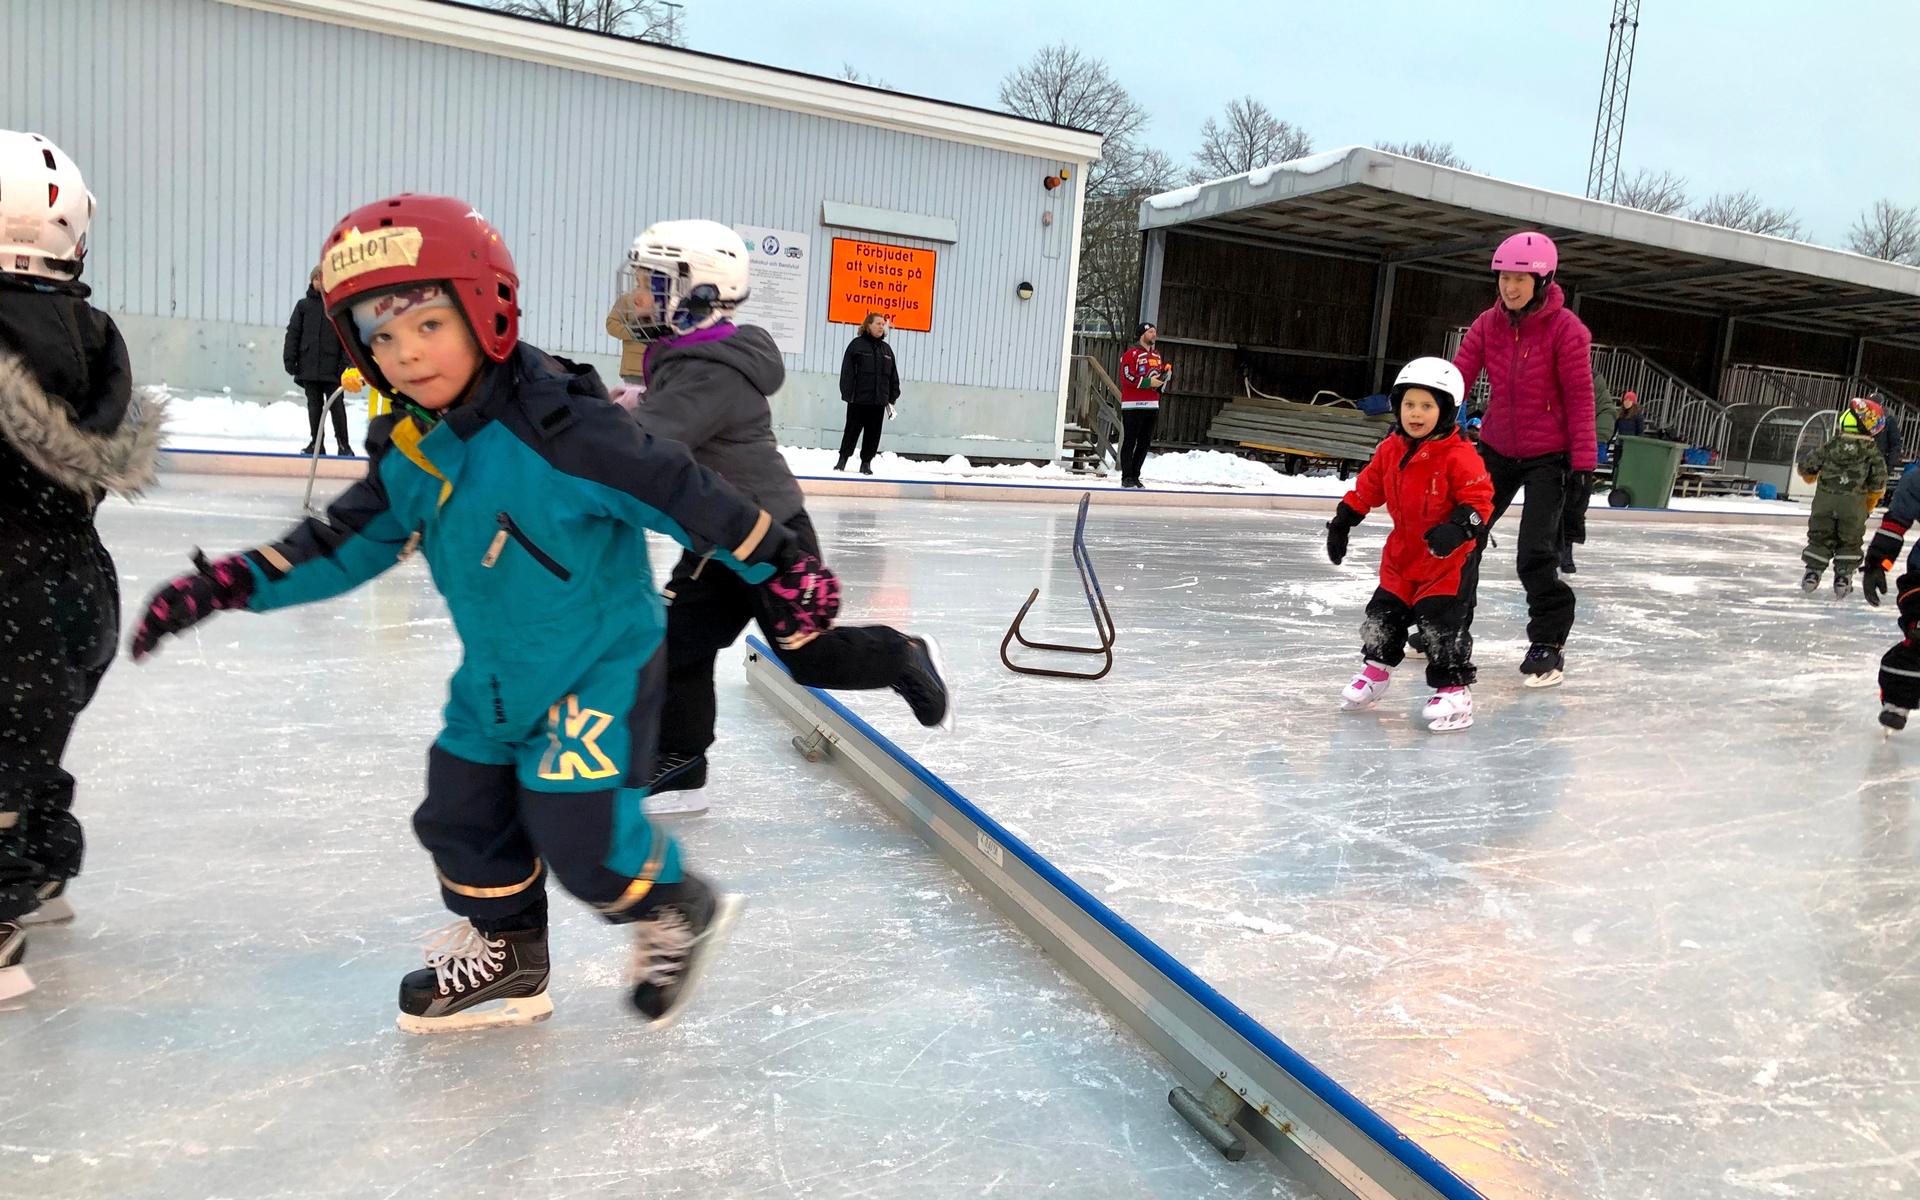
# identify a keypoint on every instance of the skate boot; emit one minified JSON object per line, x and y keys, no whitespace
{"x":1448,"y":709}
{"x":1367,"y":687}
{"x":476,"y":981}
{"x":1543,"y":666}
{"x":1842,"y":584}
{"x":1810,"y":582}
{"x":682,"y":773}
{"x":1417,"y":642}
{"x":1893,"y":717}
{"x":923,"y":685}
{"x":1566,"y":559}
{"x":14,"y":980}
{"x":54,"y":906}
{"x":841,"y":465}
{"x":673,"y":941}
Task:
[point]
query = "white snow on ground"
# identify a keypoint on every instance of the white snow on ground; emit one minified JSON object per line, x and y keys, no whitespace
{"x":245,"y":426}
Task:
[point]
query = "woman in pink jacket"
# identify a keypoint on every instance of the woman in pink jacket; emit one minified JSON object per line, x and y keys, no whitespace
{"x":1538,"y":429}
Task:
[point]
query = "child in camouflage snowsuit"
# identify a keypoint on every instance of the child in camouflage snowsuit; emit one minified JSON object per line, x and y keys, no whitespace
{"x":1852,"y":474}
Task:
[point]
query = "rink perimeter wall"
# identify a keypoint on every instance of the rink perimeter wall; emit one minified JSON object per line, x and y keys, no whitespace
{"x":223,"y":138}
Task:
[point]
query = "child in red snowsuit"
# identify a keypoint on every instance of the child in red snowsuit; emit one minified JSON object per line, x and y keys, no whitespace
{"x":1438,"y":492}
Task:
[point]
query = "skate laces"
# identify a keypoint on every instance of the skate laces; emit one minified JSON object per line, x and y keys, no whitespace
{"x":462,"y":957}
{"x":661,"y":944}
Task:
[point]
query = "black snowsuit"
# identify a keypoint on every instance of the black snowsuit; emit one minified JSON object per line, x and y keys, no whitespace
{"x":710,"y":392}
{"x":313,"y":355}
{"x":70,"y":430}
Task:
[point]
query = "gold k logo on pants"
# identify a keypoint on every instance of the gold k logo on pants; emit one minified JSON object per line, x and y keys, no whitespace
{"x":573,"y":749}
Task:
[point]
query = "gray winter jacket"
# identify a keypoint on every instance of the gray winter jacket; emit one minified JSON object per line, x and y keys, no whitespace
{"x":710,"y":393}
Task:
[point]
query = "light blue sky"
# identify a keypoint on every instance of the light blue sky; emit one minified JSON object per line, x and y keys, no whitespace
{"x":1815,"y":106}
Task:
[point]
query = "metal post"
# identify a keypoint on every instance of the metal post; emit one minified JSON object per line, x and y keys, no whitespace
{"x":313,"y":467}
{"x":1383,"y":279}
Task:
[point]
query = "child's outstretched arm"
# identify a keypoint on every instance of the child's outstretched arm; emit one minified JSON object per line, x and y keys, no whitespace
{"x":1902,"y":511}
{"x":359,"y":538}
{"x":1368,"y":493}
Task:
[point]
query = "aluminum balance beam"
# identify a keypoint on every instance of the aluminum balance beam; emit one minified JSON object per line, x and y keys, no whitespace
{"x":1240,"y":1080}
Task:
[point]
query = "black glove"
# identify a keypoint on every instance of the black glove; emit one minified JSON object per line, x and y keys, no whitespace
{"x":1344,"y":519}
{"x":1573,"y":517}
{"x":1873,"y":583}
{"x":1454,"y":532}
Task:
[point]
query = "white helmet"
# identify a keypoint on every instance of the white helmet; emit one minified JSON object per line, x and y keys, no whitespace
{"x":696,"y":272}
{"x":1436,"y":375}
{"x":45,"y":208}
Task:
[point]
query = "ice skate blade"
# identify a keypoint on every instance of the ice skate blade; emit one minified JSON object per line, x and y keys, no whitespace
{"x":676,"y":804}
{"x":518,"y":1010}
{"x":14,"y":981}
{"x":1550,"y":679}
{"x":53,"y":912}
{"x":726,"y":911}
{"x":1451,"y":724}
{"x":1359,"y":705}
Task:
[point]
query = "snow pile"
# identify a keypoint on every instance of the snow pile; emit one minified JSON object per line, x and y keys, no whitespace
{"x":225,"y":423}
{"x":1313,"y":164}
{"x":1175,"y":198}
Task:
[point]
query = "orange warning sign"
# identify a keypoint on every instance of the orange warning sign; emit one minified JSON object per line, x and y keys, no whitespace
{"x":869,"y":277}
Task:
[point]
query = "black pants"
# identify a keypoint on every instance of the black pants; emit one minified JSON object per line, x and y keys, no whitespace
{"x":1137,"y":438}
{"x":59,"y":621}
{"x":711,"y":605}
{"x":863,"y":423}
{"x":1550,"y":602}
{"x":1444,"y":619}
{"x":317,"y":394}
{"x":567,"y":801}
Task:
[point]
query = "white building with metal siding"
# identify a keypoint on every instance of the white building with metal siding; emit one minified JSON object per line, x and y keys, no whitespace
{"x":223,"y":138}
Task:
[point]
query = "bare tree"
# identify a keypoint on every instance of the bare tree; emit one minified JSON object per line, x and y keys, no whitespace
{"x":1654,"y":192}
{"x":1889,"y":231}
{"x":1744,"y":210}
{"x":1062,"y":86}
{"x":1246,"y":136}
{"x":649,"y":20}
{"x":1066,"y":87}
{"x":853,"y":74}
{"x":1440,"y":154}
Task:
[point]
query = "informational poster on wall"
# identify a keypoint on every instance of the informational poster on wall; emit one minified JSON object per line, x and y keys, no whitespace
{"x":778,"y":279}
{"x":866,"y":277}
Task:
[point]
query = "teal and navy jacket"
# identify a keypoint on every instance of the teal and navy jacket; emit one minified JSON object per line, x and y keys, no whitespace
{"x":530,"y":503}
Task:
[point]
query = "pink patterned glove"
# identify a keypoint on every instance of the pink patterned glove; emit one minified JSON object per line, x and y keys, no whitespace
{"x":191,"y":599}
{"x":804,"y":598}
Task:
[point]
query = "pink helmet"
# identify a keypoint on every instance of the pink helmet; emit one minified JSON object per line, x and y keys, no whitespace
{"x":1528,"y":253}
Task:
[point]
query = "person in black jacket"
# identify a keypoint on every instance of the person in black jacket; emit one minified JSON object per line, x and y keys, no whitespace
{"x":870,"y":385}
{"x":71,"y":430}
{"x":312,"y":354}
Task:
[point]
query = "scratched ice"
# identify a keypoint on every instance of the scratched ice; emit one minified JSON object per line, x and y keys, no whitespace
{"x":1652,"y":934}
{"x":219,"y":1022}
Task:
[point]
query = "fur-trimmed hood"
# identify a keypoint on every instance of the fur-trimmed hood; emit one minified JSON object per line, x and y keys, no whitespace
{"x":122,"y":460}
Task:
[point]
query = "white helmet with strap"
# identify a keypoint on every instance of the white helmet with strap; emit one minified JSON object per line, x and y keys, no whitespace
{"x":1435,"y":375}
{"x":695,"y":272}
{"x":45,"y":208}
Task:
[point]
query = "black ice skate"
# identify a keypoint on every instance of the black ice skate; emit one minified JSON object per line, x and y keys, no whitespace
{"x":1894,"y":717}
{"x":54,"y":906}
{"x":673,"y":941}
{"x":682,"y":773}
{"x":1543,"y":666}
{"x":1810,"y":582}
{"x":923,"y":685}
{"x":473,"y":981}
{"x":1842,"y":584}
{"x":1567,"y":566}
{"x":14,"y":980}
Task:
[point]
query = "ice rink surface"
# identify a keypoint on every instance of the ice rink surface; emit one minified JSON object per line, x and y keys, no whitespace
{"x":1655,"y":933}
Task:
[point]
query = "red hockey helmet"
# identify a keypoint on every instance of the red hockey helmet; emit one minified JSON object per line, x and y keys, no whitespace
{"x":413,"y":239}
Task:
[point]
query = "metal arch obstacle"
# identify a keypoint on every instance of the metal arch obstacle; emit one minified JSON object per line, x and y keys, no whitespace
{"x":1096,"y":604}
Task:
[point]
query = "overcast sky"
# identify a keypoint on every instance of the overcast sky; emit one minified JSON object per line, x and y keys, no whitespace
{"x":1812,"y":106}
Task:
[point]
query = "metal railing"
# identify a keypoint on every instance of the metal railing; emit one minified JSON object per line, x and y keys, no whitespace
{"x":1668,"y":402}
{"x":1811,"y":392}
{"x":1093,"y":403}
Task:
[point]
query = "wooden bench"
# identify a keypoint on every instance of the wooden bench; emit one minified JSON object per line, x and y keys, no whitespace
{"x":1334,"y":433}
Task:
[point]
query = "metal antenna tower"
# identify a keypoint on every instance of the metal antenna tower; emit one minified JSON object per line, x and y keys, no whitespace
{"x":1610,"y":123}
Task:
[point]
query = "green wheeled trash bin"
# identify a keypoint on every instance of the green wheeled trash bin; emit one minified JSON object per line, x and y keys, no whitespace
{"x":1643,"y":477}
